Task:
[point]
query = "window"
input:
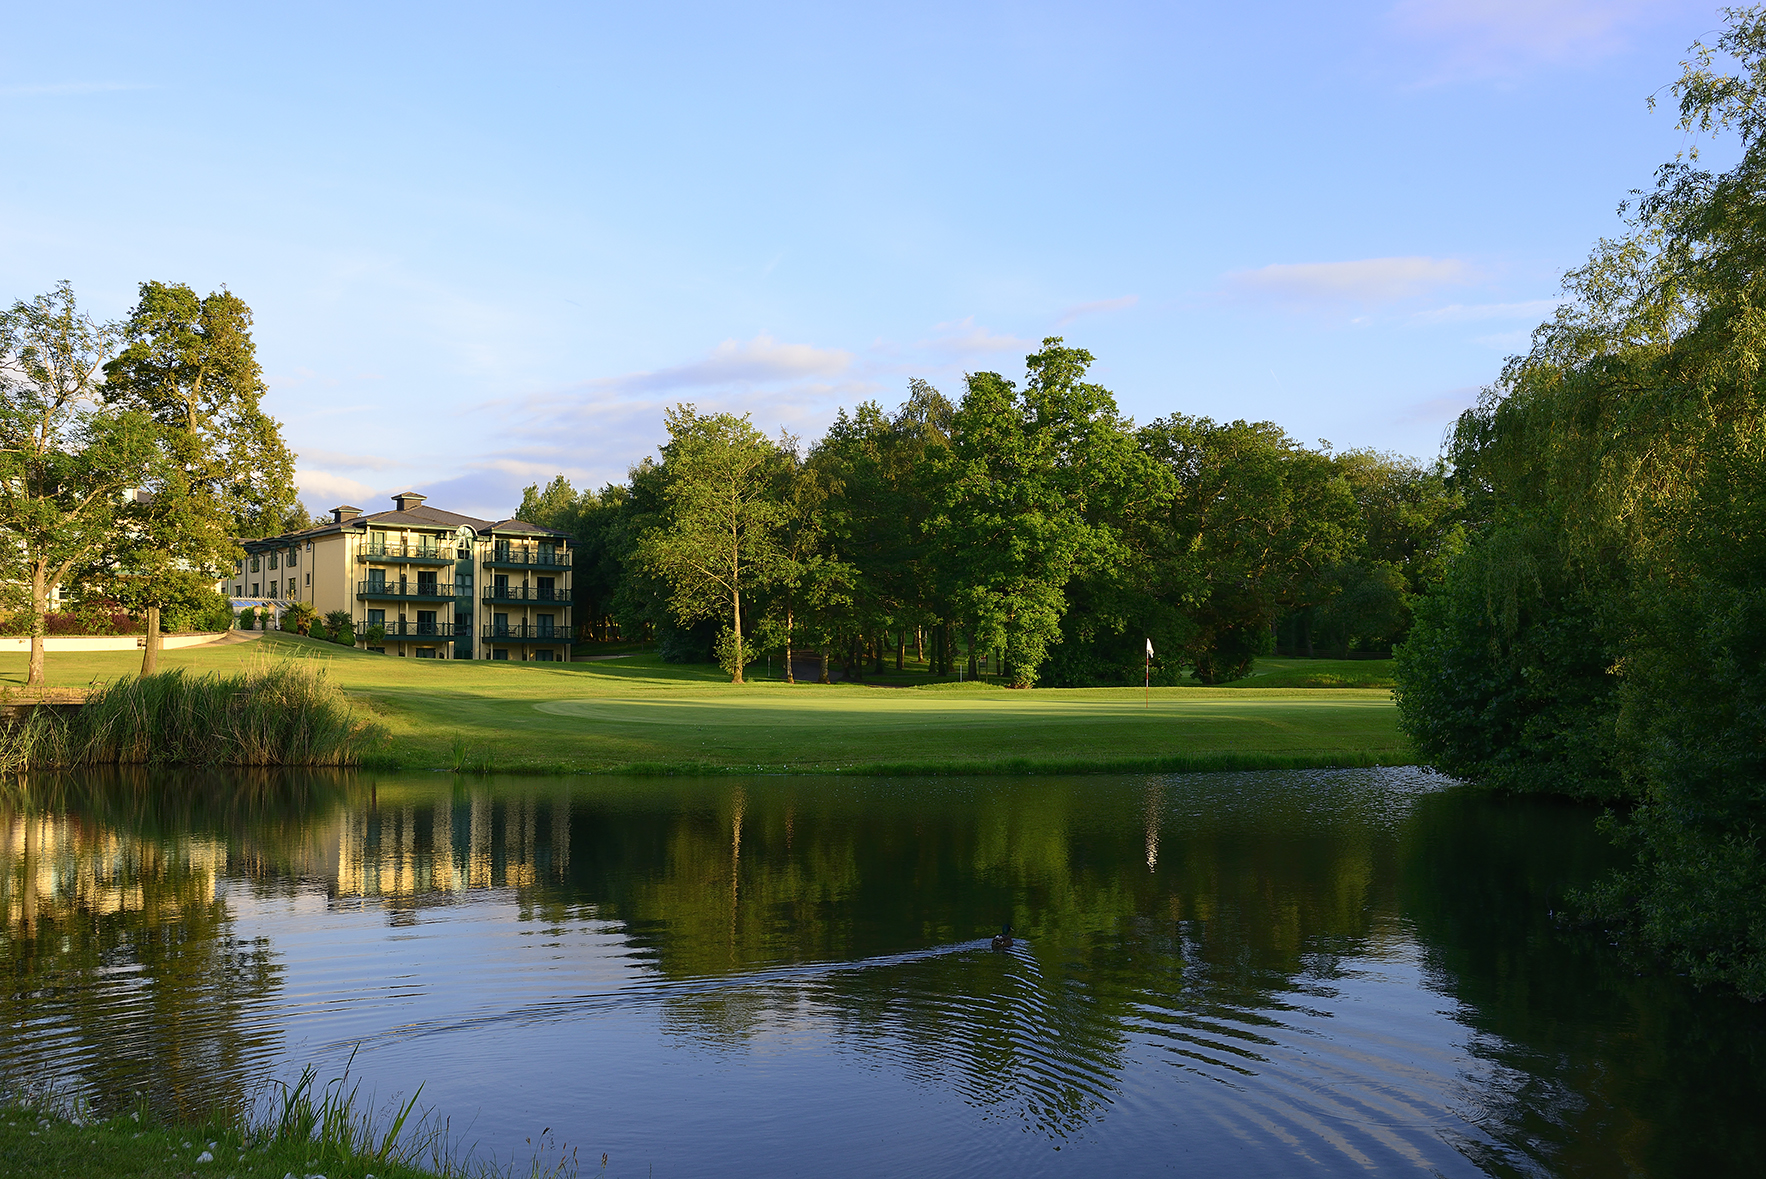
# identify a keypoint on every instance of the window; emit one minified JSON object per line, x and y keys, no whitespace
{"x":426,"y":652}
{"x":239,"y":591}
{"x":546,"y":592}
{"x":309,"y":579}
{"x":254,"y":563}
{"x":293,"y":557}
{"x":426,"y":583}
{"x":545,"y":621}
{"x":500,"y":653}
{"x":254,"y":589}
{"x":377,"y":618}
{"x":425,"y":624}
{"x":239,"y":566}
{"x":543,"y":656}
{"x":273,"y":560}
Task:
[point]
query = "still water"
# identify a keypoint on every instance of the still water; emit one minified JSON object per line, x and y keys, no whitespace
{"x":1328,"y":972}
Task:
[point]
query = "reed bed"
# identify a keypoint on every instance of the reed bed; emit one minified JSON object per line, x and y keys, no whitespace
{"x":284,"y":713}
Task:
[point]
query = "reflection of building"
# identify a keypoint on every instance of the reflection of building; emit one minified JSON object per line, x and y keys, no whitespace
{"x":422,"y":582}
{"x":52,"y":866}
{"x":416,"y":852}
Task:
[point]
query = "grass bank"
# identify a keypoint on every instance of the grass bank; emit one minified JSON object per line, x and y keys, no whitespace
{"x":639,"y":715}
{"x":307,"y":1129}
{"x":270,"y":712}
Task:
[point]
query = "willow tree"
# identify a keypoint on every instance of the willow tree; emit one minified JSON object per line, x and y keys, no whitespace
{"x":719,"y":538}
{"x":191,"y":366}
{"x":1605,"y":633}
{"x":67,"y":462}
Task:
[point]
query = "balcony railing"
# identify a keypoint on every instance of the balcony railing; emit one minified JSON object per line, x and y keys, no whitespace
{"x":434,"y":554}
{"x":417,"y":630}
{"x":525,"y":593}
{"x":527,"y":632}
{"x":420,"y":590}
{"x":528,"y":557}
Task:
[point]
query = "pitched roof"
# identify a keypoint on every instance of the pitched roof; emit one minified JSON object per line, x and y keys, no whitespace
{"x":418,"y":516}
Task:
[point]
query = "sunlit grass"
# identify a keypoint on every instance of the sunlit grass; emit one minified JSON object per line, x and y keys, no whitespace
{"x":640,"y":714}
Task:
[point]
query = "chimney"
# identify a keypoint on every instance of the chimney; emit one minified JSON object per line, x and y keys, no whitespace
{"x":345,"y":514}
{"x":406,"y":500}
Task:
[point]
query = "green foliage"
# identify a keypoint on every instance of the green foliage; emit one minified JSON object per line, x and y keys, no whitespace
{"x":718,"y":535}
{"x":65,"y":461}
{"x":340,"y":627}
{"x":734,"y":653}
{"x":1607,"y":623}
{"x":248,"y":618}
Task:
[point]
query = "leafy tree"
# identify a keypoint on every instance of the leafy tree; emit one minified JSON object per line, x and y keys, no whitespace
{"x":719,"y":534}
{"x":66,"y":461}
{"x":191,"y":367}
{"x":1616,"y":467}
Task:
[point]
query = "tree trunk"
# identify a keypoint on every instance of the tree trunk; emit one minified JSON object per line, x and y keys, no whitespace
{"x":973,"y":669}
{"x":39,"y":608}
{"x":919,"y":645}
{"x":824,"y":678}
{"x":150,"y":647}
{"x":788,"y":677}
{"x":736,"y":615}
{"x":901,"y":647}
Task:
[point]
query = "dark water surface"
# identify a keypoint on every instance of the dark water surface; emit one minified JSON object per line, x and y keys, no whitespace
{"x":1339,"y":972}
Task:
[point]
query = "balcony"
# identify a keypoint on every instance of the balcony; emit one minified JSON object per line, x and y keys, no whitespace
{"x":398,"y":631}
{"x":527,"y":557}
{"x":526,"y":632}
{"x":406,"y":591}
{"x":525,"y":593}
{"x":416,"y":554}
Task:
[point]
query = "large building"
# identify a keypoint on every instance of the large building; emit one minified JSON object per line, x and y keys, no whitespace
{"x":421,"y":582}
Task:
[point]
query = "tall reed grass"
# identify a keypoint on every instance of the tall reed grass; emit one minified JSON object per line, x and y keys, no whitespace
{"x":282,"y":713}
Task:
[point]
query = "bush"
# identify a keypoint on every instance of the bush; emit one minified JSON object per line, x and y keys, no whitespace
{"x":248,"y":619}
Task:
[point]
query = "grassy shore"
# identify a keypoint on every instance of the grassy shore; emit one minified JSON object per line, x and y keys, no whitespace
{"x":637,"y":714}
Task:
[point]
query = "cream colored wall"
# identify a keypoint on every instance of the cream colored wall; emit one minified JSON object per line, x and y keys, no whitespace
{"x":331,"y":573}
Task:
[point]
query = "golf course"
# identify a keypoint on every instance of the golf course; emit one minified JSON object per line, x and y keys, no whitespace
{"x":631,"y":712}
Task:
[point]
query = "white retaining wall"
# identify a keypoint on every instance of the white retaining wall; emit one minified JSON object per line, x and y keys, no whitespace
{"x":111,"y":642}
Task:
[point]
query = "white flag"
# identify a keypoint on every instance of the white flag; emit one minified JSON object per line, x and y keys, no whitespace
{"x":1149,"y":648}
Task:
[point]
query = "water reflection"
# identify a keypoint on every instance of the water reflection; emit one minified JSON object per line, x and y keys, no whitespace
{"x":1344,"y":971}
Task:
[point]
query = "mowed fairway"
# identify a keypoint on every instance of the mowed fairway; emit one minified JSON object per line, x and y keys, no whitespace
{"x":640,"y":713}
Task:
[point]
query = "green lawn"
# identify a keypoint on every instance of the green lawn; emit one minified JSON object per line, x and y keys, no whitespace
{"x":637,"y":712}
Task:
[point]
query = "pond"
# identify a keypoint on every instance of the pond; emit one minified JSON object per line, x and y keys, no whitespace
{"x":1259,"y":974}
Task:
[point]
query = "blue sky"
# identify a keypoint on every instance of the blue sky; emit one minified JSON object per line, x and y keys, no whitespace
{"x":487,"y":245}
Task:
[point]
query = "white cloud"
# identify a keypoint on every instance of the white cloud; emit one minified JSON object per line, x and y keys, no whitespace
{"x":317,"y":486}
{"x":1367,"y":280}
{"x":731,"y":362}
{"x":1536,"y":310}
{"x":964,"y":337}
{"x":1099,"y":307}
{"x":1484,"y":37}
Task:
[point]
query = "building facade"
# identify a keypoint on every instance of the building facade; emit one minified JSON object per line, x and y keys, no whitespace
{"x":421,"y":582}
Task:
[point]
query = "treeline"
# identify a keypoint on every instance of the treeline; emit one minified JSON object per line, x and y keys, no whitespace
{"x":1604,"y":633}
{"x":1029,"y":521}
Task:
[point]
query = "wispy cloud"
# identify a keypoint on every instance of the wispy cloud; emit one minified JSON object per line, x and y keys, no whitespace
{"x":1366,"y":280}
{"x":1098,"y":307}
{"x":1493,"y":37}
{"x":1533,"y":309}
{"x":60,"y":89}
{"x":734,"y":363}
{"x":965,"y":337}
{"x":331,"y":459}
{"x":1438,"y":411}
{"x":1506,"y":343}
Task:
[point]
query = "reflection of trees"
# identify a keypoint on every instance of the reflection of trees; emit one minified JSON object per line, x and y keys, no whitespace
{"x":1604,"y":1068}
{"x":1192,"y":947}
{"x":123,"y":974}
